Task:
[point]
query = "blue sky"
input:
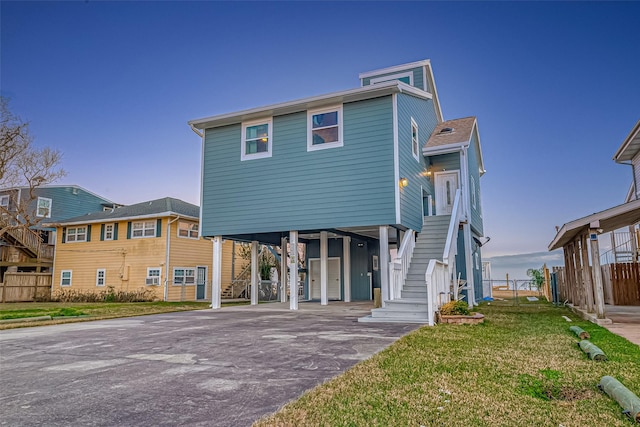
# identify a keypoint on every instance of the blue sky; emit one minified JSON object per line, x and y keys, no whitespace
{"x":555,"y":87}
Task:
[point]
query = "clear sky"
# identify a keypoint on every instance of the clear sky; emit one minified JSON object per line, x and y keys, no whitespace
{"x":555,"y":87}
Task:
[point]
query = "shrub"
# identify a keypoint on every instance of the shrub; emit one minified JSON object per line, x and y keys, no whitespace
{"x":108,"y":295}
{"x":455,"y":308}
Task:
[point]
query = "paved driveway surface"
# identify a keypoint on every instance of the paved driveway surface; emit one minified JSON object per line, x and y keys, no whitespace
{"x":222,"y":368}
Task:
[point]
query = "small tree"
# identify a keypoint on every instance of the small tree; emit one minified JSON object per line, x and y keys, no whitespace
{"x":23,"y":165}
{"x":537,"y":277}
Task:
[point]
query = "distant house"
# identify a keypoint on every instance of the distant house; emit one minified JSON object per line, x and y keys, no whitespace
{"x":30,"y":250}
{"x":151,"y":245}
{"x":356,"y":176}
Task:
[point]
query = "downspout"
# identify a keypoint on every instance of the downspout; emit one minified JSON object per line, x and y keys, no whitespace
{"x":166,"y":263}
{"x":196,"y":131}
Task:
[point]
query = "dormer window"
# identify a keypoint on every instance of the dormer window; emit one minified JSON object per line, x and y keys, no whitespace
{"x":445,"y":131}
{"x":43,"y":208}
{"x":256,"y":140}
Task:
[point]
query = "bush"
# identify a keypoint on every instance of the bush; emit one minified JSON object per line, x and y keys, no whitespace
{"x":108,"y":295}
{"x":455,"y":308}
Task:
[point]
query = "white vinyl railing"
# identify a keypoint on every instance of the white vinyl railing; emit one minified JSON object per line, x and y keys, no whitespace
{"x":438,"y":282}
{"x":400,"y":264}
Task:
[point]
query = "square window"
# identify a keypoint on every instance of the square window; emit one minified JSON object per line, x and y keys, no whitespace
{"x":153,"y":276}
{"x":256,"y":140}
{"x":186,"y":229}
{"x":43,"y":208}
{"x":65,"y":278}
{"x":324,"y":129}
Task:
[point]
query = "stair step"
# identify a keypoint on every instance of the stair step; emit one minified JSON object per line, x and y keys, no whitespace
{"x":414,"y":294}
{"x":384,"y":313}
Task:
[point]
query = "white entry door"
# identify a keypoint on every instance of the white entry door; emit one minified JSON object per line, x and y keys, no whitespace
{"x":446,"y":184}
{"x":333,"y":278}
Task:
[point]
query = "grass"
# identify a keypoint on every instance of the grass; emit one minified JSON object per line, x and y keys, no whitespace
{"x":91,"y":311}
{"x":522,"y":367}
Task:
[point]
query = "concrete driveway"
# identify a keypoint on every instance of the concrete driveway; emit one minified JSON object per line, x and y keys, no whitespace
{"x":215,"y":368}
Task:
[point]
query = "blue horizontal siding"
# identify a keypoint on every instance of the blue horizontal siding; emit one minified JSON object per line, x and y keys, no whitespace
{"x":474,"y":171}
{"x":295,"y":189}
{"x":418,"y":77}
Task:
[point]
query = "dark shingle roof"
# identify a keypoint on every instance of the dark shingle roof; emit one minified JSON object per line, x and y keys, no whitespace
{"x":460,"y":132}
{"x":165,"y":206}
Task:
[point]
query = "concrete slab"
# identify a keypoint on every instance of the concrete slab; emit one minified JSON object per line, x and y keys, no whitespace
{"x":625,"y":321}
{"x":226,"y":367}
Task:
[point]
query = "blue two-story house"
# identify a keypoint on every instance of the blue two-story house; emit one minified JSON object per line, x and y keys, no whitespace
{"x":384,"y":193}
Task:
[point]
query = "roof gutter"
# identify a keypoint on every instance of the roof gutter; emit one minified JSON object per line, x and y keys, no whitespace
{"x":197,"y":132}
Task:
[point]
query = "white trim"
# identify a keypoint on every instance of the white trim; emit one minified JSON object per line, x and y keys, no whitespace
{"x":464,"y":182}
{"x":346,"y":268}
{"x":325,"y":298}
{"x":104,"y":277}
{"x":434,"y":92}
{"x":189,"y":230}
{"x":201,"y":183}
{"x":173,"y":276}
{"x":206,"y":276}
{"x":62,"y":277}
{"x":324,"y":268}
{"x":416,"y":153}
{"x":396,"y":76}
{"x":395,"y":68}
{"x":48,"y":215}
{"x":396,"y":159}
{"x":216,"y":273}
{"x":153,"y":278}
{"x":261,"y":155}
{"x":155,"y":231}
{"x":473,"y":191}
{"x":436,"y":178}
{"x":113,"y":231}
{"x":333,"y":144}
{"x":120,"y":219}
{"x":75,"y":234}
{"x":293,"y":270}
{"x":4,"y":205}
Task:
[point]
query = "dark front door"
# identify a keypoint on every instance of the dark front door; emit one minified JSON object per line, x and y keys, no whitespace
{"x":201,"y":282}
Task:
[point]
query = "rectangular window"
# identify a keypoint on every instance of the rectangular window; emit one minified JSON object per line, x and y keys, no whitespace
{"x":256,"y":140}
{"x":108,"y":231}
{"x":184,"y":276}
{"x":101,"y":274}
{"x":65,"y":278}
{"x":414,"y":140}
{"x":4,"y":202}
{"x":43,"y":208}
{"x":143,"y":229}
{"x":186,"y":229}
{"x":403,"y":77}
{"x":76,"y":234}
{"x":153,"y":276}
{"x":324,"y":129}
{"x":473,"y":192}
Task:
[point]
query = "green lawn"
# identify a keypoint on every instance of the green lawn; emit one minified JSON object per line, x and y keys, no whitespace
{"x":522,"y":367}
{"x":92,"y":311}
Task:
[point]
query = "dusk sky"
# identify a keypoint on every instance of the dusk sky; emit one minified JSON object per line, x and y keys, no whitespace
{"x":555,"y":87}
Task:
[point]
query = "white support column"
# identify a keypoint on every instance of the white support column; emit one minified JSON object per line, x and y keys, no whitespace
{"x":255,"y":273}
{"x":346,"y":270}
{"x":324,"y":261}
{"x":383,"y":264}
{"x":468,"y":259}
{"x":216,"y":272}
{"x":283,"y":269}
{"x":597,"y":274}
{"x":293,"y":273}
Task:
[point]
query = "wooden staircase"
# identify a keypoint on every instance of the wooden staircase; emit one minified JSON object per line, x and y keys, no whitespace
{"x":27,"y":240}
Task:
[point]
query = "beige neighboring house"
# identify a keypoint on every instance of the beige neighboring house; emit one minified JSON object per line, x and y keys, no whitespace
{"x":153,"y":245}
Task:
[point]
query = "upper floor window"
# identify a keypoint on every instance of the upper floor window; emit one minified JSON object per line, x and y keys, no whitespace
{"x":473,"y":192}
{"x":4,"y":202}
{"x":403,"y":77}
{"x":324,"y":129}
{"x":256,"y":140}
{"x":187,"y":229}
{"x":109,"y":231}
{"x":76,"y":234}
{"x":44,"y":207}
{"x":414,"y":139}
{"x":143,"y":229}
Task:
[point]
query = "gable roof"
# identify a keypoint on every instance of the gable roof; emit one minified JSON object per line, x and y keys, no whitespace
{"x":461,"y":133}
{"x":630,"y":146}
{"x":167,"y":206}
{"x":107,"y":202}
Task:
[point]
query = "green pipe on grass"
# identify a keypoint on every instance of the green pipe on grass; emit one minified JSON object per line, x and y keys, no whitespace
{"x":629,"y":402}
{"x":592,"y":351}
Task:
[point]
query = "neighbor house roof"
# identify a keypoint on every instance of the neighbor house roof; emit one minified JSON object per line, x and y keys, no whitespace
{"x":630,"y":146}
{"x":167,"y":206}
{"x":607,"y":220}
{"x":451,"y":136}
{"x":359,"y":94}
{"x":107,"y":202}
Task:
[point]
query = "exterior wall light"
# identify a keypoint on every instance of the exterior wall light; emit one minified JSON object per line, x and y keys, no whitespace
{"x":404,"y":182}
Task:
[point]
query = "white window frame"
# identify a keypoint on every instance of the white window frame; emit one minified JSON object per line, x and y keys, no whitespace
{"x":100,"y":277}
{"x":153,"y":280}
{"x":473,"y":192}
{"x":251,"y":156}
{"x":62,"y":278}
{"x":390,"y":77}
{"x":4,"y":201}
{"x":335,"y":144}
{"x":73,"y":237}
{"x":415,"y":142}
{"x":191,"y":233}
{"x":106,"y":232}
{"x":186,"y":280}
{"x":43,"y":199}
{"x":144,"y":229}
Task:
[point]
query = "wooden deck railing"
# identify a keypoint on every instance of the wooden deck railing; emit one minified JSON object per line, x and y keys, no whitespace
{"x":29,"y":239}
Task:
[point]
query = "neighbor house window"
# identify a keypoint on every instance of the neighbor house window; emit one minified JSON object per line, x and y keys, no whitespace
{"x":414,"y":139}
{"x":43,"y":207}
{"x":4,"y":202}
{"x":76,"y":234}
{"x":100,"y":276}
{"x":109,"y":230}
{"x":256,"y":140}
{"x":153,"y":276}
{"x":187,"y":229}
{"x":184,"y":276}
{"x":143,"y":229}
{"x":324,"y":129}
{"x":65,"y":278}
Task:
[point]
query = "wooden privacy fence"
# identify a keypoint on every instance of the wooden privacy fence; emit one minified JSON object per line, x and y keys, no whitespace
{"x":22,"y":287}
{"x":623,"y":280}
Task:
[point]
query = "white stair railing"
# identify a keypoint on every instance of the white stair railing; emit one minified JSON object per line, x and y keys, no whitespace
{"x":400,"y":264}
